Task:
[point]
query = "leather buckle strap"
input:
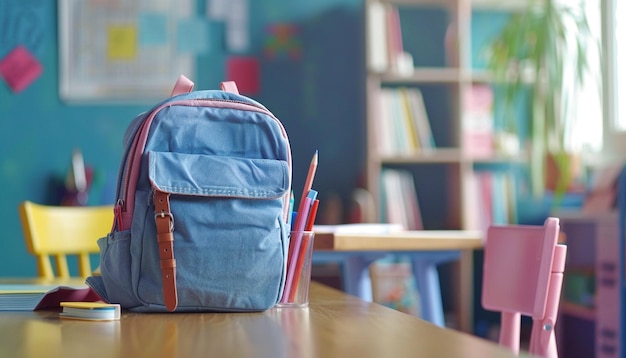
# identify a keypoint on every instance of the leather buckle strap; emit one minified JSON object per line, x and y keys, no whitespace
{"x":165,"y":237}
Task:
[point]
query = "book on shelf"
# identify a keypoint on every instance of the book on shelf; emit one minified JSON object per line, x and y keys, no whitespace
{"x":420,"y":118}
{"x":394,"y":36}
{"x":496,"y":199}
{"x":402,"y":121}
{"x":403,"y":138}
{"x":478,"y":121}
{"x":407,"y":120}
{"x":481,"y":204}
{"x":32,"y":297}
{"x":375,"y":106}
{"x":385,"y":50}
{"x":391,"y":128}
{"x":399,"y":199}
{"x":391,"y":208}
{"x":377,"y":35}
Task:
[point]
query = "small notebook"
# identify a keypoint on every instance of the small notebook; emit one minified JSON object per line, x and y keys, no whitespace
{"x":91,"y":311}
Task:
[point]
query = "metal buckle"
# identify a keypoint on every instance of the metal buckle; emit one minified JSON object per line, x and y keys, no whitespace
{"x":164,"y":215}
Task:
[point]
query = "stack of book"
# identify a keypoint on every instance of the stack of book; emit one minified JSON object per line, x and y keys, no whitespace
{"x":399,"y":199}
{"x":385,"y":46}
{"x":91,"y":311}
{"x":403,"y":122}
{"x":495,"y":197}
{"x":478,"y":122}
{"x":29,"y":297}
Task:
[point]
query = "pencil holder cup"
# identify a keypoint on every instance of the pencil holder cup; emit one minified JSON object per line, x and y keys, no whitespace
{"x":296,"y":292}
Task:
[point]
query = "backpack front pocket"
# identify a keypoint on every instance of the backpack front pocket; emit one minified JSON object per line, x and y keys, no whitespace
{"x":230,"y":239}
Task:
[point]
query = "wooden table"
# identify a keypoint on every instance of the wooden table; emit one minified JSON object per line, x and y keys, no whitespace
{"x":334,"y":325}
{"x":427,"y":249}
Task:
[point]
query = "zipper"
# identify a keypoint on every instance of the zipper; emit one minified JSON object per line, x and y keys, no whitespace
{"x":125,"y":204}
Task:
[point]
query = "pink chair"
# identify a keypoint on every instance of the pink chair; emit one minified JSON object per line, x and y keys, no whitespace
{"x":522,"y":275}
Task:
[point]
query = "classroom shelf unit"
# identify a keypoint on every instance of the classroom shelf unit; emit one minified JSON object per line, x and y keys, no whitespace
{"x":424,"y":46}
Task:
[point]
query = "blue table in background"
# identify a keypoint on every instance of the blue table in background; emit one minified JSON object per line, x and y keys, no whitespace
{"x":427,"y":249}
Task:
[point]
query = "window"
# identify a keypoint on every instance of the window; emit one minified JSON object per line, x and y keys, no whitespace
{"x":614,"y":81}
{"x":606,"y":143}
{"x":586,"y":130}
{"x":619,"y":57}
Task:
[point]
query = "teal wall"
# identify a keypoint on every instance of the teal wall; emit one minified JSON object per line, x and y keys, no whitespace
{"x":38,"y":132}
{"x":318,"y":97}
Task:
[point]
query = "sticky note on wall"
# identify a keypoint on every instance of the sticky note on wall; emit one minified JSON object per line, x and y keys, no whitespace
{"x":193,"y":36}
{"x":20,"y":68}
{"x":153,"y":29}
{"x":121,"y":42}
{"x":244,"y":70}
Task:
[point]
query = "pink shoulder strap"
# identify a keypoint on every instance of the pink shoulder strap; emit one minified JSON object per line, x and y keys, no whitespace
{"x":183,"y":85}
{"x":229,"y":86}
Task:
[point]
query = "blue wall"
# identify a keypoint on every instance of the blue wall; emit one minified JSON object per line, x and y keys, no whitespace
{"x":38,"y":131}
{"x":318,"y":98}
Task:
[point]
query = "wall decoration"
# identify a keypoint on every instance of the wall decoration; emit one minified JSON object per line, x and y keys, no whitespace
{"x":236,"y":16}
{"x":283,"y":41}
{"x":244,"y":70}
{"x":19,"y":69}
{"x":193,"y":36}
{"x":124,"y":50}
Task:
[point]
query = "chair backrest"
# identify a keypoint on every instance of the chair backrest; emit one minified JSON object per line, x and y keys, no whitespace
{"x":522,"y":275}
{"x":58,"y":231}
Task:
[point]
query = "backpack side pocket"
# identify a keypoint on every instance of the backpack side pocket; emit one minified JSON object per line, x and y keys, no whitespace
{"x":115,"y":266}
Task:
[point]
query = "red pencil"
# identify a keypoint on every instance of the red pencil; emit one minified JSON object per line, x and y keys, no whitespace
{"x":312,"y":214}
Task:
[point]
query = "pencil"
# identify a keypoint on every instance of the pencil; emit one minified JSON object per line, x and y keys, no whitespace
{"x":312,"y":215}
{"x":308,"y":184}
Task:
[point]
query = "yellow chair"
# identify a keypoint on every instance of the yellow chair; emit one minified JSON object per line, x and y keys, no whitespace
{"x":58,"y":231}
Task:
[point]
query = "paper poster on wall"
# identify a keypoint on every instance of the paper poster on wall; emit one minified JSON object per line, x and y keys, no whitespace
{"x":237,"y":22}
{"x":193,"y":36}
{"x":217,"y":9}
{"x":153,"y":29}
{"x":19,"y":69}
{"x":244,"y":70}
{"x":236,"y":17}
{"x":123,"y":50}
{"x":121,"y":43}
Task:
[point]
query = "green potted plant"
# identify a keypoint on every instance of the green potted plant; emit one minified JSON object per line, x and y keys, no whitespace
{"x":539,"y":47}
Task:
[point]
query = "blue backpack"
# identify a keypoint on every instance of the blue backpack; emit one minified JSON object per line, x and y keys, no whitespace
{"x":202,"y":207}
